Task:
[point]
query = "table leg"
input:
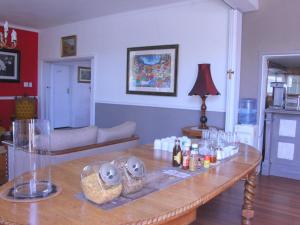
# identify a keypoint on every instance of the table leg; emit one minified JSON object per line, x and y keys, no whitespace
{"x":249,"y":193}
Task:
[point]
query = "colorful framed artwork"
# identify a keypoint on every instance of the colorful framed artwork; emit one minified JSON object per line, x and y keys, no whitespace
{"x":9,"y":65}
{"x":68,"y":46}
{"x":152,"y":70}
{"x":84,"y":74}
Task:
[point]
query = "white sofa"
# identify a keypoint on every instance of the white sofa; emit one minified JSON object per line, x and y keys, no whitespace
{"x":72,"y":144}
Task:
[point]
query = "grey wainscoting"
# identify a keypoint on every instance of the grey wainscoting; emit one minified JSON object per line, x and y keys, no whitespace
{"x":153,"y":122}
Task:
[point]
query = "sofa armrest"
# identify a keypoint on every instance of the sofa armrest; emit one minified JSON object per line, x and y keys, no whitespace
{"x":97,"y":145}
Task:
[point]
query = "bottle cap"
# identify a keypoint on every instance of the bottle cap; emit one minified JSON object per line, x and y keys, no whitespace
{"x":109,"y":174}
{"x":194,"y":145}
{"x":135,"y":167}
{"x":187,"y":144}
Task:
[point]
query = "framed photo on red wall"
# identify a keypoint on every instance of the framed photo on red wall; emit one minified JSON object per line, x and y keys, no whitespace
{"x":9,"y":65}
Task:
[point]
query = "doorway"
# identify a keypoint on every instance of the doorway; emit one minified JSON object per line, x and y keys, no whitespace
{"x":65,"y":99}
{"x":279,"y":63}
{"x":279,"y":115}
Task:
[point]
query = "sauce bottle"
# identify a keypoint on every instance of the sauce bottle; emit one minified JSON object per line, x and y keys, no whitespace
{"x":177,"y":154}
{"x":206,"y":161}
{"x":194,"y":158}
{"x":213,"y":156}
{"x":186,"y":157}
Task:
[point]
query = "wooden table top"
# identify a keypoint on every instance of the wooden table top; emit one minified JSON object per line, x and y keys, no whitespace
{"x":155,"y":208}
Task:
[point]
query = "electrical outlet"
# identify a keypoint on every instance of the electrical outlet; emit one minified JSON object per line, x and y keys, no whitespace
{"x":29,"y":84}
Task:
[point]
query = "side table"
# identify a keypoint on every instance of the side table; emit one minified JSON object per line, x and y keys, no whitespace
{"x":192,"y":132}
{"x":3,"y":164}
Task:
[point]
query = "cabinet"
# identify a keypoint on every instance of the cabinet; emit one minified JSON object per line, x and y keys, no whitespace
{"x":247,"y":133}
{"x":282,"y":144}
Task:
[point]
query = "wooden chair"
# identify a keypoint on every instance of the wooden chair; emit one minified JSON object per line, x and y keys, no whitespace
{"x":25,"y":108}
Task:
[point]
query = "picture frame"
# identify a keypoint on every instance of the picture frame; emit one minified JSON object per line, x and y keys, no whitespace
{"x":9,"y":65}
{"x":84,"y":74}
{"x":152,"y":70}
{"x":68,"y":46}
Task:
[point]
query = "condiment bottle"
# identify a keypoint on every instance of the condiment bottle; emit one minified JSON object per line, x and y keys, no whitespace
{"x":194,"y":158}
{"x":186,"y":156}
{"x":177,"y":154}
{"x":206,"y":161}
{"x":213,"y":156}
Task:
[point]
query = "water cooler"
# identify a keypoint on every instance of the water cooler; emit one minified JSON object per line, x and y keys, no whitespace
{"x":247,"y":134}
{"x":246,"y":128}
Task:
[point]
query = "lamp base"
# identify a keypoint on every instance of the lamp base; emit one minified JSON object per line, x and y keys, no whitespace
{"x":203,"y":118}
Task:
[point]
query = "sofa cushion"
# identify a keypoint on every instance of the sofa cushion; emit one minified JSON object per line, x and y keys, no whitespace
{"x":63,"y":139}
{"x":123,"y":130}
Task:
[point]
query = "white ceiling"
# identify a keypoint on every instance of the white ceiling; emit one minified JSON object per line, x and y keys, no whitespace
{"x":41,"y":14}
{"x":289,"y":61}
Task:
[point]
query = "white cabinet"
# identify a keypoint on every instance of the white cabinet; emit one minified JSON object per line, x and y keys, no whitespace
{"x":247,"y":134}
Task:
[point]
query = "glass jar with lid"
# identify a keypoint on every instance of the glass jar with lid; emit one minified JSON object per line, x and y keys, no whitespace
{"x":101,"y":182}
{"x":133,"y":174}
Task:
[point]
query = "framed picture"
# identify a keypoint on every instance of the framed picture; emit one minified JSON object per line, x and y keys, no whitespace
{"x":152,"y":70}
{"x":84,"y":74}
{"x":68,"y":46}
{"x":9,"y":65}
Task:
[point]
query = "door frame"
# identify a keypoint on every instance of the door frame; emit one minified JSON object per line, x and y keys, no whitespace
{"x":263,"y":92}
{"x":233,"y":64}
{"x":43,"y":89}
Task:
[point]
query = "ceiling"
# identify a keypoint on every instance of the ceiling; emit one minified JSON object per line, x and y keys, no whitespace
{"x":41,"y":14}
{"x":288,"y":61}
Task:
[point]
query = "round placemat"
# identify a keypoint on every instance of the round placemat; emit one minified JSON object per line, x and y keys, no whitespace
{"x":8,"y":195}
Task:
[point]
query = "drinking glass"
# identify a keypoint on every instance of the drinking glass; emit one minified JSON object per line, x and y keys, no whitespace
{"x":32,"y":162}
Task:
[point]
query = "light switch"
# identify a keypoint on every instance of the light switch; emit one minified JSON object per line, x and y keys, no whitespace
{"x":25,"y":84}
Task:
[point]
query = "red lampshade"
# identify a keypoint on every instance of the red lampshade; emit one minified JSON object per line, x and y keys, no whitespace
{"x":204,"y":84}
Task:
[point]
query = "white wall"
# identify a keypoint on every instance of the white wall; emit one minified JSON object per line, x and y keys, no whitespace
{"x":199,"y":27}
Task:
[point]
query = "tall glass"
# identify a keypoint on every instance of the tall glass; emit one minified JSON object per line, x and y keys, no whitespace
{"x":32,"y":162}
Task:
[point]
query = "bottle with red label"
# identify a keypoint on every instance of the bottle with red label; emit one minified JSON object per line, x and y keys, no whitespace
{"x":186,"y":156}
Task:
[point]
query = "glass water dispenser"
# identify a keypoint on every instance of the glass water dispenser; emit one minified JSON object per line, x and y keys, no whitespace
{"x":278,"y":96}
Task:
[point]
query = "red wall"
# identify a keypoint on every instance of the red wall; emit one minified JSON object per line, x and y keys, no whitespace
{"x":28,"y":47}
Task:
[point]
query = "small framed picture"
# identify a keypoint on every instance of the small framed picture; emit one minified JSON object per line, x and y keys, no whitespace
{"x":152,"y":70}
{"x":84,"y":74}
{"x":68,"y":46}
{"x":9,"y":65}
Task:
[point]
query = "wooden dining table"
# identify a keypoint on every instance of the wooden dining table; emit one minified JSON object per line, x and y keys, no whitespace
{"x":175,"y":204}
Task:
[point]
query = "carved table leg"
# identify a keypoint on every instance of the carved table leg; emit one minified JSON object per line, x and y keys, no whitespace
{"x":249,"y":192}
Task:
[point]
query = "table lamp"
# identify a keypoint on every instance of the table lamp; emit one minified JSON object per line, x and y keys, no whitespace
{"x":203,"y":87}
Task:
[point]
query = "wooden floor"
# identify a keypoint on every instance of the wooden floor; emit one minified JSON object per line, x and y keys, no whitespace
{"x":277,"y":202}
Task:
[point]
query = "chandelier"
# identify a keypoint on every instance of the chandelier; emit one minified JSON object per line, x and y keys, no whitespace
{"x":4,"y":43}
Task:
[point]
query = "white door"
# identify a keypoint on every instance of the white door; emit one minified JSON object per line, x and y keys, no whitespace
{"x":61,"y":96}
{"x":81,"y":96}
